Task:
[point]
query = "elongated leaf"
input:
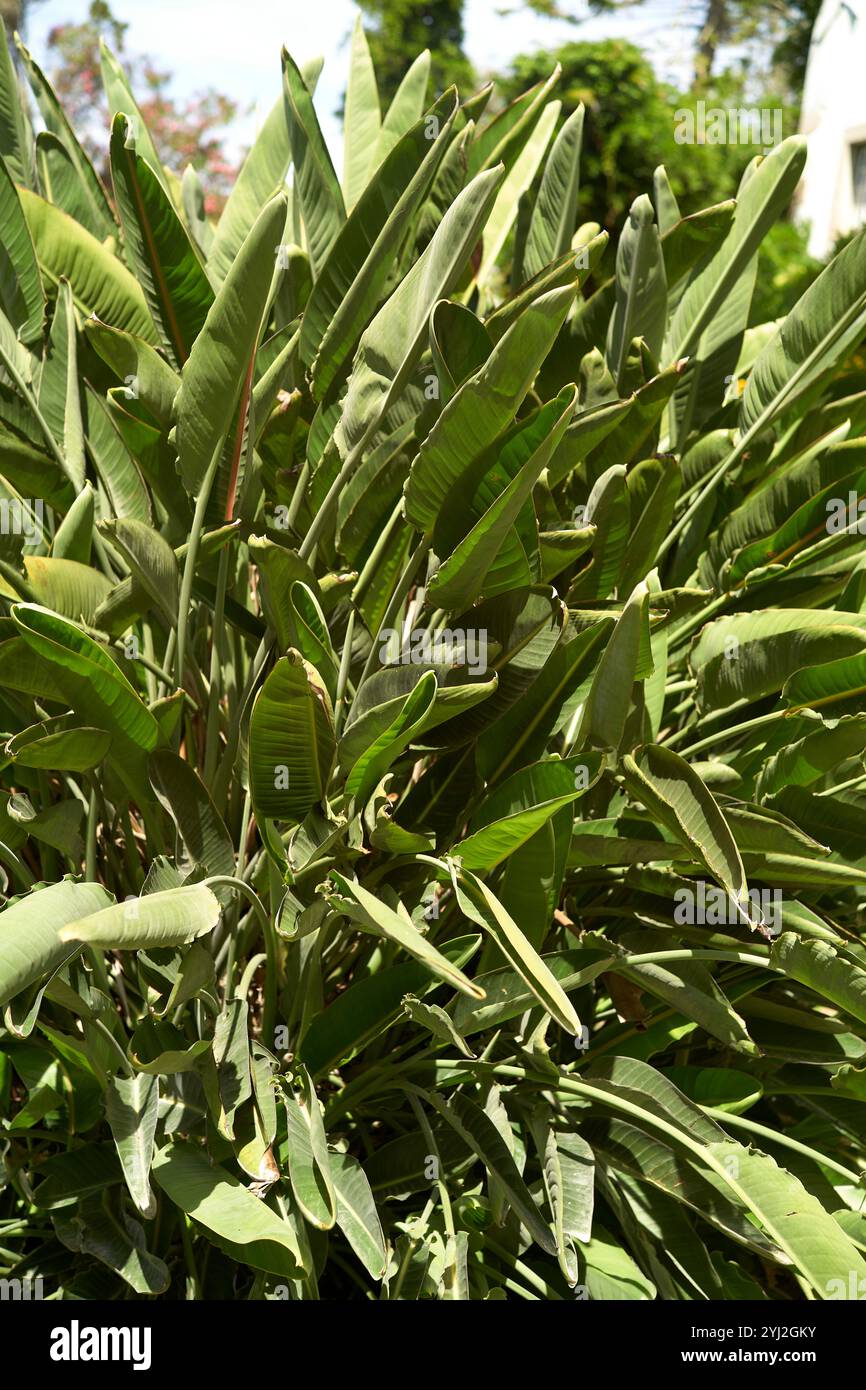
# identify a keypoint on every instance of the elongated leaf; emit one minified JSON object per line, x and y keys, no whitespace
{"x":220,"y":359}
{"x":361,"y":906}
{"x":483,"y":407}
{"x":243,"y":1226}
{"x":119,"y":96}
{"x":641,"y":288}
{"x":166,"y":263}
{"x":309,"y":1159}
{"x":353,"y":278}
{"x":393,"y":342}
{"x":361,"y":118}
{"x":554,"y":213}
{"x":131,"y":1106}
{"x":291,"y":740}
{"x":357,"y":1216}
{"x":481,"y":906}
{"x":316,"y":187}
{"x":30,"y":944}
{"x":262,"y":173}
{"x":100,"y":283}
{"x":485,"y":1141}
{"x":21,"y":293}
{"x":673,"y":791}
{"x":171,"y":918}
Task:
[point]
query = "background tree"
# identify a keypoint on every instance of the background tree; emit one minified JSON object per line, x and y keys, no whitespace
{"x":397,"y":30}
{"x":188,"y":132}
{"x":629,"y":129}
{"x":784,"y":27}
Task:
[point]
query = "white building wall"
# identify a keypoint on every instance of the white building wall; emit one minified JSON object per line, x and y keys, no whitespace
{"x":834,"y":120}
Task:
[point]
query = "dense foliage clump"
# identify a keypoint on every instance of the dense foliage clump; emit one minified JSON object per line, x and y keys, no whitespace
{"x":431,"y":677}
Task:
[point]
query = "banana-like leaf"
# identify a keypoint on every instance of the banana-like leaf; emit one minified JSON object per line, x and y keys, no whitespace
{"x":309,"y":1158}
{"x":641,"y":288}
{"x":671,"y":790}
{"x":30,"y":944}
{"x":554,"y":214}
{"x":362,"y":118}
{"x":172,"y":918}
{"x":21,"y":293}
{"x":131,"y":1106}
{"x":100,"y":283}
{"x":222,"y":354}
{"x":243,"y":1226}
{"x":481,"y":906}
{"x":375,"y":916}
{"x":166,"y":263}
{"x":393,"y":342}
{"x":291,"y":740}
{"x":319,"y":198}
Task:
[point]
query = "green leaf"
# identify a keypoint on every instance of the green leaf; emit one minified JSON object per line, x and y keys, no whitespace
{"x":406,"y":106}
{"x":465,"y":573}
{"x":100,"y":220}
{"x":671,"y":790}
{"x":818,"y":965}
{"x":483,"y":1138}
{"x":367,"y":1007}
{"x":16,"y":136}
{"x":357,"y":1216}
{"x":71,"y":589}
{"x":93,"y":684}
{"x":100,"y":283}
{"x":483,"y":408}
{"x":309,"y":1159}
{"x":371,"y":765}
{"x":829,"y":319}
{"x":118,"y":1242}
{"x":361,"y":118}
{"x":315,"y":183}
{"x":554,"y":212}
{"x":242,"y":1225}
{"x":213,"y":374}
{"x":517,"y":180}
{"x":641,"y":289}
{"x":164,"y":259}
{"x":747,"y":655}
{"x":354,"y":277}
{"x":765,"y":196}
{"x":118,"y":94}
{"x":610,"y":696}
{"x":514,"y":812}
{"x":131,"y":1107}
{"x":30,"y":944}
{"x":481,"y":906}
{"x":262,"y":173}
{"x":171,"y":918}
{"x":393,"y":342}
{"x":356,"y":903}
{"x":231,"y":1054}
{"x":57,"y":745}
{"x":291,"y":740}
{"x":21,"y":293}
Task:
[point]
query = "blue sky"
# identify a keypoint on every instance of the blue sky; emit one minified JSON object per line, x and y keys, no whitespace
{"x":203,"y":43}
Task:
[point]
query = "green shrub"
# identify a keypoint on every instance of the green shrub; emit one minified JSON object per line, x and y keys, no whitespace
{"x":433,"y":828}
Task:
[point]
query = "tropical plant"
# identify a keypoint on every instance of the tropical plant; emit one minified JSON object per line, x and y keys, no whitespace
{"x":432,"y":698}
